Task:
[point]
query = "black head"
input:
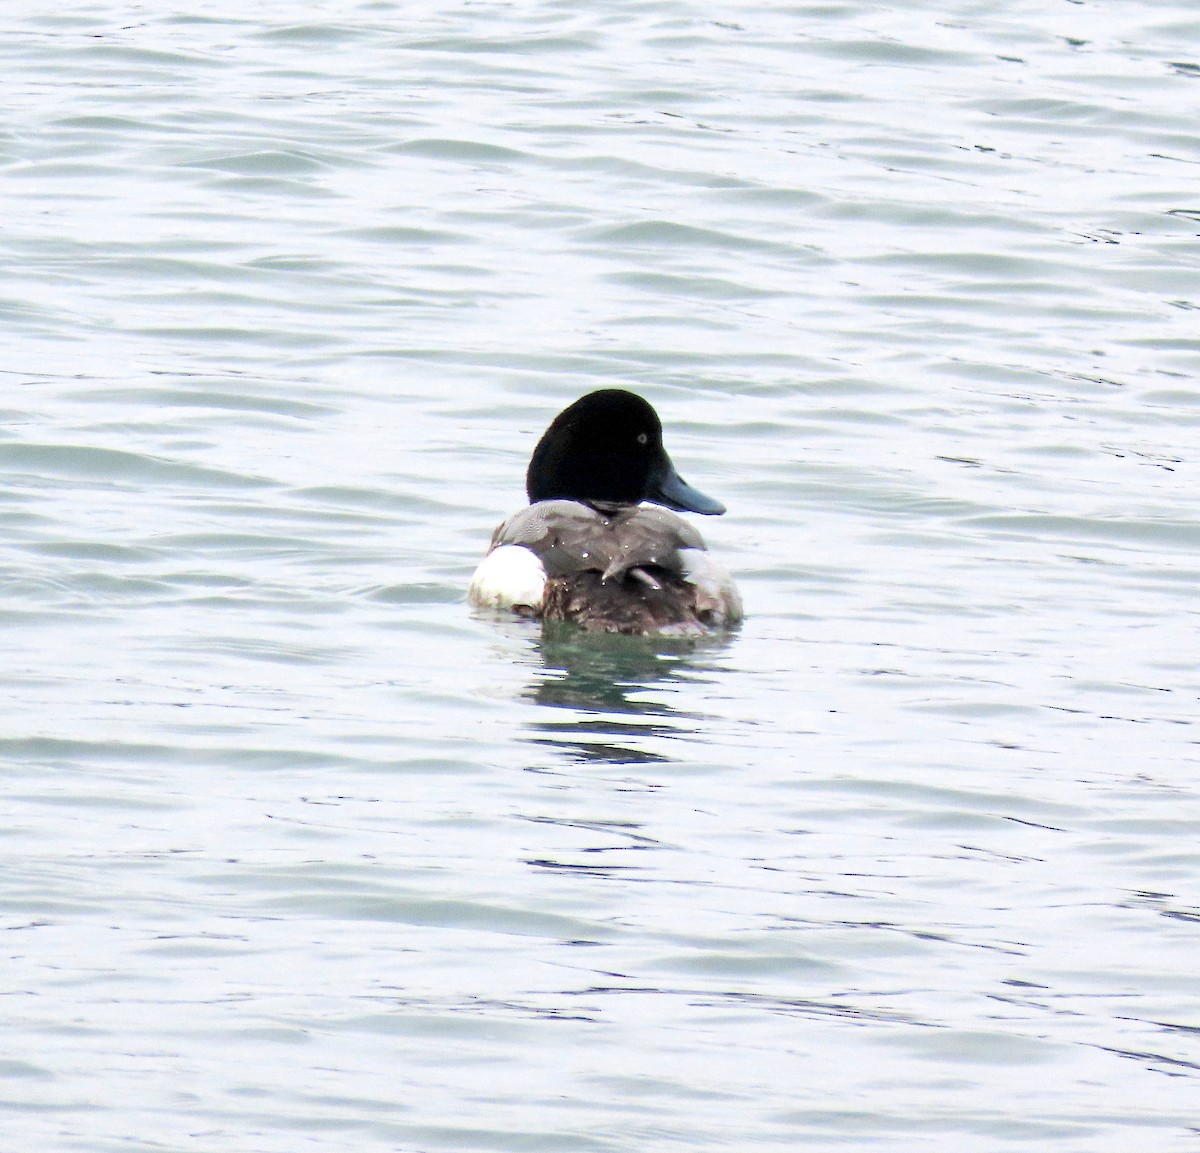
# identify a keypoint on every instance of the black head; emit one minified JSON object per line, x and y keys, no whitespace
{"x":607,"y":448}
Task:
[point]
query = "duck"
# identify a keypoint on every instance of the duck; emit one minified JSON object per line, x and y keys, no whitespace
{"x":601,"y":544}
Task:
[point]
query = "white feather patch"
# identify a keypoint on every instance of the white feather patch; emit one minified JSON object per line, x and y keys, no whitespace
{"x":509,"y":577}
{"x":715,"y":591}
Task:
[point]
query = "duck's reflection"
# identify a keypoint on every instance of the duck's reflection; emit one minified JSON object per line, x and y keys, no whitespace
{"x":613,"y":692}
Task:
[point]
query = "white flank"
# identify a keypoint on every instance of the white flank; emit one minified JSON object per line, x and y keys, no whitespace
{"x":716,"y":592}
{"x":509,"y":577}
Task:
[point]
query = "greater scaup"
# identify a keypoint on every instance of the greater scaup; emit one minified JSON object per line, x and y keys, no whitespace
{"x":587,"y":549}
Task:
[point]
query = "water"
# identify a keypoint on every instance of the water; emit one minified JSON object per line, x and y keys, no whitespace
{"x":300,"y":855}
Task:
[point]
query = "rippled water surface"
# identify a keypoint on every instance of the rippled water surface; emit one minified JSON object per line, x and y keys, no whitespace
{"x":299,"y":855}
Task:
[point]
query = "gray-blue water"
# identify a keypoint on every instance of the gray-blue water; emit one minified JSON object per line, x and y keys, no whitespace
{"x":299,"y":855}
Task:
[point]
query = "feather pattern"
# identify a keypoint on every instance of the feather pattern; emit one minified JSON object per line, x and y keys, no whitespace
{"x":571,"y":537}
{"x":623,"y":569}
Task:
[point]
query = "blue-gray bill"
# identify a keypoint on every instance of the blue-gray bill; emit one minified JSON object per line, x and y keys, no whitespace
{"x":669,"y":489}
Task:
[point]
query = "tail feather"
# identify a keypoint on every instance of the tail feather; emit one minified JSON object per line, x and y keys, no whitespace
{"x":629,"y":605}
